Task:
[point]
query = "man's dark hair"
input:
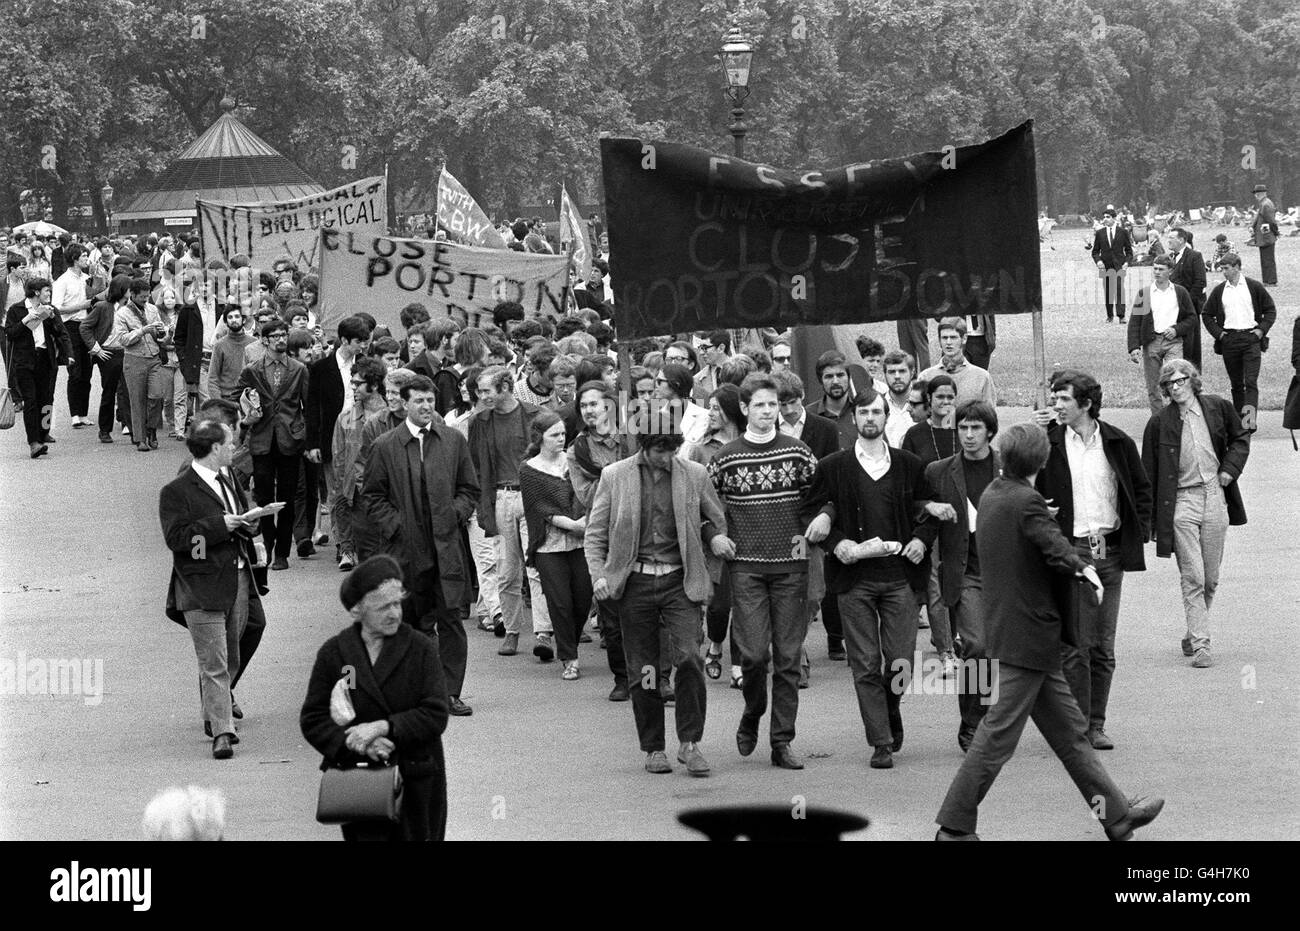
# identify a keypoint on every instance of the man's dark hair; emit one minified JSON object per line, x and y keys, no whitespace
{"x":383,"y":345}
{"x":1083,"y":387}
{"x":273,"y":326}
{"x":36,"y":285}
{"x":541,"y":356}
{"x":728,"y":398}
{"x":298,"y":340}
{"x":1023,"y":449}
{"x":353,"y":328}
{"x":1183,"y":233}
{"x":736,"y":369}
{"x":831,"y":358}
{"x":603,"y":333}
{"x":1230,"y":258}
{"x":978,"y":410}
{"x":1163,"y":260}
{"x":120,"y":287}
{"x":720,"y":338}
{"x":203,"y":435}
{"x":73,"y":252}
{"x":507,"y":310}
{"x":470,"y":347}
{"x":221,"y":409}
{"x":898,"y":357}
{"x":868,"y":347}
{"x":526,"y":330}
{"x":567,"y":327}
{"x":418,"y":383}
{"x":593,"y":368}
{"x":371,"y":371}
{"x":660,"y":426}
{"x":757,"y":382}
{"x":679,"y":379}
{"x":519,"y":229}
{"x":692,"y":357}
{"x":866,"y":397}
{"x":789,"y":386}
{"x":370,"y":321}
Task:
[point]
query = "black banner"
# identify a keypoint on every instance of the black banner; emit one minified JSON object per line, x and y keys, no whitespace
{"x":700,"y":241}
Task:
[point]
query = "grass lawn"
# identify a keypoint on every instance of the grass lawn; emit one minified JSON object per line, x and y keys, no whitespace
{"x":1076,"y":333}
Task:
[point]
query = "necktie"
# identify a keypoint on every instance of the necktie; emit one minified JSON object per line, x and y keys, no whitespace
{"x":275,"y":375}
{"x":227,"y":494}
{"x":424,"y":435}
{"x":1110,"y":236}
{"x":424,"y":484}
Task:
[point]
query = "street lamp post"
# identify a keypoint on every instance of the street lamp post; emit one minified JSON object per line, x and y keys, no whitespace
{"x":106,"y":197}
{"x":737,"y":54}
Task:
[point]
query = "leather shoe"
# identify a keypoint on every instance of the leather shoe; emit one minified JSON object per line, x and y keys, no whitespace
{"x":1097,"y":737}
{"x":459,"y":708}
{"x":207,"y":732}
{"x":785,"y":758}
{"x":280,"y":564}
{"x":746,"y":741}
{"x":882,"y":759}
{"x":657,"y":762}
{"x":38,"y":449}
{"x":106,"y":438}
{"x":898,"y":738}
{"x":236,"y":712}
{"x":836,"y":653}
{"x":1141,"y":811}
{"x":510,"y":647}
{"x":619,"y":692}
{"x":696,"y":764}
{"x":1187,"y":646}
{"x":221,"y":748}
{"x":941,"y":834}
{"x":498,"y":627}
{"x":306,"y":548}
{"x":965,"y":736}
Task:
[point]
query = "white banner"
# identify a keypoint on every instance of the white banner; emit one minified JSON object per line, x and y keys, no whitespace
{"x":382,"y":274}
{"x":574,"y":230}
{"x":290,"y":229}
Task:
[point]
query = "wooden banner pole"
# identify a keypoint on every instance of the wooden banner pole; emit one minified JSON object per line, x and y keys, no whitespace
{"x":1040,"y":362}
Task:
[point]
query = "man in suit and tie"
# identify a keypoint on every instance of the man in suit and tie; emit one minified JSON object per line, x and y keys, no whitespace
{"x":212,"y":559}
{"x":1264,"y":229}
{"x":1112,"y":250}
{"x":1022,"y":547}
{"x":329,"y":391}
{"x":1189,"y":273}
{"x":420,"y":489}
{"x":38,"y":345}
{"x":277,"y":438}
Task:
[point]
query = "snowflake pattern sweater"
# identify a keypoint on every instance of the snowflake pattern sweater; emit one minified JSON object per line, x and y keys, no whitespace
{"x":764,"y":488}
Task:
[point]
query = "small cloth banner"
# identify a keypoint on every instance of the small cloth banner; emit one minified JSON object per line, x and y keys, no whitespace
{"x":705,"y":241}
{"x":461,"y":218}
{"x":573,"y":229}
{"x":271,"y":230}
{"x":382,"y":274}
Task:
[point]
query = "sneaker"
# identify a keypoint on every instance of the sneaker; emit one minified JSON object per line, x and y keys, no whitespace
{"x":510,"y":647}
{"x":347,"y":562}
{"x":696,"y":764}
{"x":570,"y":670}
{"x":657,"y":762}
{"x":544,"y":648}
{"x":1202,"y":659}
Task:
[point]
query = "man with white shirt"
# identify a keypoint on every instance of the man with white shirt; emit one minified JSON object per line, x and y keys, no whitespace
{"x":1189,"y":272}
{"x":1095,"y":477}
{"x":973,"y":383}
{"x":72,"y":301}
{"x":1238,"y":314}
{"x":1163,"y":316}
{"x":900,"y":369}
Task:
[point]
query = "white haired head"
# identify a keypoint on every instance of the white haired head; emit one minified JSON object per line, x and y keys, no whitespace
{"x":192,"y":813}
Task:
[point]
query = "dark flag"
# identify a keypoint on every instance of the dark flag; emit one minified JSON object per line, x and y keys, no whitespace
{"x":702,"y":241}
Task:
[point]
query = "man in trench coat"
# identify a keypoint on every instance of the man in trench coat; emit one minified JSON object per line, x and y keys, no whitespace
{"x":419,"y":490}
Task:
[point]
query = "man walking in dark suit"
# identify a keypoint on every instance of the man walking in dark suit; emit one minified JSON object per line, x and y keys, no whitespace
{"x":276,"y":439}
{"x":38,"y":345}
{"x":1189,"y":273}
{"x":1094,"y":476}
{"x":1238,"y":314}
{"x":1021,"y":546}
{"x":1112,"y":250}
{"x":419,"y":490}
{"x":1264,"y":229}
{"x":212,"y":579}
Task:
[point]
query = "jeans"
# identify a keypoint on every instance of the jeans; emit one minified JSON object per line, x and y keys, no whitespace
{"x":144,"y":385}
{"x":110,"y":378}
{"x":216,"y":644}
{"x":940,"y":622}
{"x":1242,"y":357}
{"x":651,"y":603}
{"x":1200,"y":528}
{"x":880,"y":634}
{"x":512,"y":543}
{"x":176,"y":399}
{"x":1045,"y":697}
{"x":567,"y":586}
{"x":1090,"y":666}
{"x":275,"y":478}
{"x":1154,"y":355}
{"x":968,"y":621}
{"x":770,"y":620}
{"x":611,"y":632}
{"x":484,"y":552}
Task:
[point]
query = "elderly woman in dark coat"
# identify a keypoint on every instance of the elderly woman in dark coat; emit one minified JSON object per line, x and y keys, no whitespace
{"x":394,"y":683}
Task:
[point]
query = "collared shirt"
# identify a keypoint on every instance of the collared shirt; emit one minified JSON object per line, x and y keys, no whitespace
{"x":1238,"y":308}
{"x":225,"y":495}
{"x":796,"y":430}
{"x":345,"y":372}
{"x":1093,"y":484}
{"x":1197,"y":462}
{"x":68,"y":290}
{"x":276,"y":369}
{"x":899,"y":421}
{"x":420,"y":433}
{"x":876,"y":468}
{"x":37,"y":327}
{"x":658,"y":540}
{"x":1164,"y":307}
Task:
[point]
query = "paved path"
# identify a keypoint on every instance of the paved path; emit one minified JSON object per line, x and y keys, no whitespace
{"x":83,"y":574}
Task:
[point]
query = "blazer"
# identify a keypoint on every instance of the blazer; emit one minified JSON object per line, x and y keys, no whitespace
{"x":836,"y":491}
{"x":1057,"y":484}
{"x":188,"y":340}
{"x":843,"y":422}
{"x":205,"y":554}
{"x":1112,"y":255}
{"x":482,"y":453}
{"x":945,"y":481}
{"x":390,"y":495}
{"x":22,"y":344}
{"x":1141,"y":328}
{"x":820,"y":435}
{"x":283,"y":425}
{"x":1189,"y":271}
{"x":325,"y":395}
{"x":405,"y":686}
{"x":1260,"y":299}
{"x":1162,"y":448}
{"x":1291,"y":409}
{"x":614,"y":524}
{"x":1022,"y":547}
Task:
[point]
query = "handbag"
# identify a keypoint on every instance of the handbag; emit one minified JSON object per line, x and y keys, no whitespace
{"x":362,"y":793}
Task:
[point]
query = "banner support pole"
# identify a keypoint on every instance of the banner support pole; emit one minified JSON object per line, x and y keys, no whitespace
{"x":1040,"y":362}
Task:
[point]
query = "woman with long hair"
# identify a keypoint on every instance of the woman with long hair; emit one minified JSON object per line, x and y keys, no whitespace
{"x":725,"y":424}
{"x":556,"y":524}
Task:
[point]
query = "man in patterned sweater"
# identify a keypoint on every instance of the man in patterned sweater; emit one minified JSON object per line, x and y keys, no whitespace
{"x":764,"y":479}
